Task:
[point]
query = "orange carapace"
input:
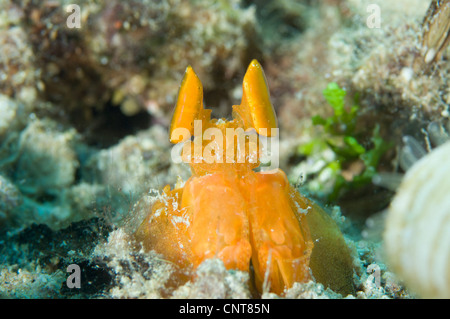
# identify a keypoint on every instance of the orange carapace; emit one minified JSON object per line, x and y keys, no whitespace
{"x":228,"y":209}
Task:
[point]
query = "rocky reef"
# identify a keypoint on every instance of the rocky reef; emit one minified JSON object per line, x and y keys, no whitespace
{"x":86,"y":95}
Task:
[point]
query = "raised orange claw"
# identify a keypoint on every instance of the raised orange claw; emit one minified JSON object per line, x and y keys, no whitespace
{"x":189,"y":105}
{"x":227,"y":210}
{"x":256,"y":110}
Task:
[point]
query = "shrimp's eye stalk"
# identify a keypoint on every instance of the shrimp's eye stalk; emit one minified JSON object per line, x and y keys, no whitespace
{"x":256,"y":110}
{"x":189,"y":105}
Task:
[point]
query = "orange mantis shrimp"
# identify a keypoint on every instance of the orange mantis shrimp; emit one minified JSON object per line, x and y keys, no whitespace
{"x":228,"y":209}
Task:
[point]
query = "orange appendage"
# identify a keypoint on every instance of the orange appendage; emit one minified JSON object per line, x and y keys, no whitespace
{"x":165,"y":228}
{"x":219,"y":226}
{"x":256,"y":110}
{"x":239,"y":219}
{"x":280,"y":238}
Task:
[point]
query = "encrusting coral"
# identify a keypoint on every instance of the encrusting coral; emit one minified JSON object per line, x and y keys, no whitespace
{"x":125,"y":54}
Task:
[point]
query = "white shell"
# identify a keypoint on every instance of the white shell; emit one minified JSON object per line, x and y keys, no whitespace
{"x":417,"y":236}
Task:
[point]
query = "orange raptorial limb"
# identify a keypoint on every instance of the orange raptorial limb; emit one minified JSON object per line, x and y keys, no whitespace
{"x":281,"y":244}
{"x":256,"y":110}
{"x":219,"y":227}
{"x":189,"y":106}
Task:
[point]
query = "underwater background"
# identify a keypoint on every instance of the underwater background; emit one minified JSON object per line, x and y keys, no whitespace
{"x":87,"y":91}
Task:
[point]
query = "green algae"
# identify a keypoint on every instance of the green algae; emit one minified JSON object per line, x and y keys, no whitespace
{"x":341,"y":136}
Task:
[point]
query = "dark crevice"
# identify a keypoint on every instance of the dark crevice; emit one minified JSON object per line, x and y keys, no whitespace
{"x":109,"y":125}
